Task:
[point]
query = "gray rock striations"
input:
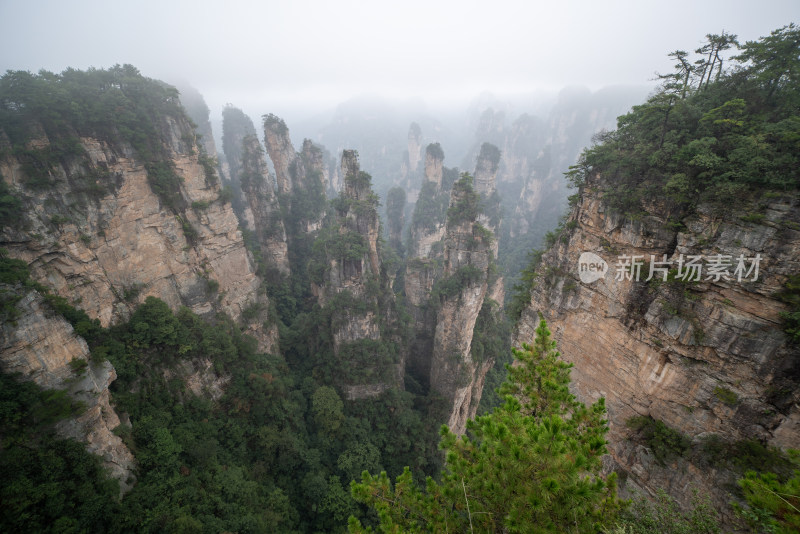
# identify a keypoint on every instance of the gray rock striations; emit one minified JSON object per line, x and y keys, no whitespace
{"x":458,"y":297}
{"x":268,"y":229}
{"x":42,"y":346}
{"x":117,"y":223}
{"x":302,"y":178}
{"x":111,"y":250}
{"x":708,"y":358}
{"x":354,"y":291}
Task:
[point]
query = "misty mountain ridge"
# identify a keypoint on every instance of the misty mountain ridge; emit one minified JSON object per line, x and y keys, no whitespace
{"x":259,"y":328}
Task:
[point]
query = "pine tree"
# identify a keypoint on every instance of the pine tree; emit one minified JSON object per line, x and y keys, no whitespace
{"x":533,"y":465}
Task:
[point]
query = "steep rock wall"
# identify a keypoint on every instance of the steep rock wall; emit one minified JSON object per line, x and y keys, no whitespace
{"x":39,"y":344}
{"x":268,"y":226}
{"x":109,"y":253}
{"x":706,"y":358}
{"x":366,"y":330}
{"x":454,"y":374}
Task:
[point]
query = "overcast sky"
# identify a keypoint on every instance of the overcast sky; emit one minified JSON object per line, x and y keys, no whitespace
{"x":313,"y":53}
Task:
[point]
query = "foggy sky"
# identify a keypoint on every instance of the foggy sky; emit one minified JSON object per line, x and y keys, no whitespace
{"x":304,"y":55}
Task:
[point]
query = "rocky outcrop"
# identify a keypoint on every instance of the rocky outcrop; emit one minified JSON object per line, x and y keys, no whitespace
{"x":434,"y":163}
{"x":455,"y":374}
{"x":197,"y":110}
{"x":356,"y":291}
{"x":414,"y":146}
{"x":708,"y":357}
{"x":395,"y":218}
{"x":428,"y":223}
{"x":110,"y":248}
{"x":42,"y":346}
{"x":235,"y":127}
{"x":281,"y":152}
{"x":486,"y":169}
{"x":410,"y":169}
{"x":537,"y":150}
{"x":299,"y":176}
{"x":424,"y":266}
{"x":256,"y":185}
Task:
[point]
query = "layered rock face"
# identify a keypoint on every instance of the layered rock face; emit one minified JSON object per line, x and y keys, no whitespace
{"x":486,"y":186}
{"x":298,"y":174}
{"x":708,"y":358}
{"x":447,"y":283}
{"x":365,"y":322}
{"x":423,"y":267}
{"x":410,"y":168}
{"x":235,"y":127}
{"x":467,"y":255}
{"x":256,"y":185}
{"x":110,"y":252}
{"x":428,"y":227}
{"x":280,"y":150}
{"x":40,"y":345}
{"x":395,"y":219}
{"x":486,"y":169}
{"x":115,"y":209}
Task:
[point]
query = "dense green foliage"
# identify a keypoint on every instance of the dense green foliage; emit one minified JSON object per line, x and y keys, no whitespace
{"x":773,"y":502}
{"x":521,"y":291}
{"x":13,"y":273}
{"x":665,"y":442}
{"x":435,"y":151}
{"x":274,"y":453}
{"x":466,"y":204}
{"x":10,"y":207}
{"x":395,"y":210}
{"x":663,"y":515}
{"x":235,"y":127}
{"x":790,"y":294}
{"x":48,"y":484}
{"x":530,"y":466}
{"x":431,"y":207}
{"x":116,"y":104}
{"x":491,"y":338}
{"x":701,"y":141}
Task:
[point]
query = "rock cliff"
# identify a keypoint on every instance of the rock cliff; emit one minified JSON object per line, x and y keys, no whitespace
{"x":350,"y":282}
{"x":116,"y":205}
{"x":458,"y":297}
{"x":414,"y":146}
{"x":109,"y":252}
{"x":301,"y":177}
{"x":427,"y":225}
{"x":42,"y":346}
{"x":235,"y":127}
{"x":424,"y":252}
{"x":256,"y":184}
{"x":708,"y":358}
{"x":280,"y":150}
{"x":412,"y":157}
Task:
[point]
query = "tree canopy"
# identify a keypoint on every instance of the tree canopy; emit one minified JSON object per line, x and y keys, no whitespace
{"x":532,"y":465}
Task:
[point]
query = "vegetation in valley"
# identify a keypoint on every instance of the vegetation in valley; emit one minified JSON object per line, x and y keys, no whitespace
{"x":532,"y":465}
{"x":271,"y":443}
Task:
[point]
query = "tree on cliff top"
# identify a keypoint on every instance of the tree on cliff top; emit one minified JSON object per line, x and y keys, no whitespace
{"x":533,"y":465}
{"x":704,"y":139}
